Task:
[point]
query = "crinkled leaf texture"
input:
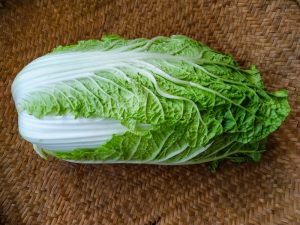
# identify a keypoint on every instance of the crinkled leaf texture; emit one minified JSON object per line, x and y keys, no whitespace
{"x":180,"y":101}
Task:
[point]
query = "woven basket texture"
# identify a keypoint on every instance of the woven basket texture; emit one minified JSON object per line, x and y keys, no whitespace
{"x":36,"y":191}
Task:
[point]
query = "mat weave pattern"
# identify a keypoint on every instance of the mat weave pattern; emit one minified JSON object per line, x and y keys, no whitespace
{"x":34,"y":191}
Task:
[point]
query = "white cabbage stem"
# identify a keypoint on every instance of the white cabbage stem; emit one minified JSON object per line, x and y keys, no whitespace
{"x":64,"y":133}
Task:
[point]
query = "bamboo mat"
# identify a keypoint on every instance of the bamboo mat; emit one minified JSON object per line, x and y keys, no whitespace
{"x":34,"y":191}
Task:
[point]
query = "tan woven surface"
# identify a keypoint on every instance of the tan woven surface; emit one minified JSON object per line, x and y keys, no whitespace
{"x":34,"y":191}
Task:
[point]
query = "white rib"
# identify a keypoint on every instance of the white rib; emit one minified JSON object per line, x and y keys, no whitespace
{"x":196,"y":153}
{"x":173,"y":153}
{"x":64,"y":133}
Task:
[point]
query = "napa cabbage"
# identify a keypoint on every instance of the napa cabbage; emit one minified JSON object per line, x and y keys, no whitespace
{"x":165,"y":100}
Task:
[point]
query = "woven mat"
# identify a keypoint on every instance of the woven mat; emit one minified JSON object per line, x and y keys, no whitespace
{"x":34,"y":191}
